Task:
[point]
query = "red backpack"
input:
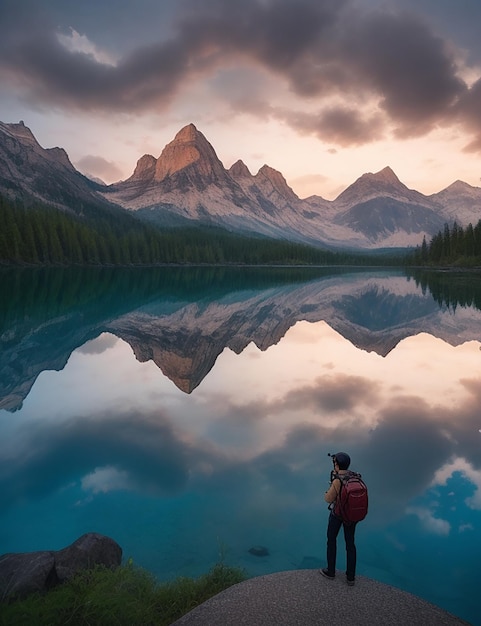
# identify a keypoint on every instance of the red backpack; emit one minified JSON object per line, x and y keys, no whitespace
{"x":352,"y":502}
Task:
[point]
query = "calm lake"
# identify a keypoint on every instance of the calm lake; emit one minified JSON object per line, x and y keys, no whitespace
{"x":188,"y":414}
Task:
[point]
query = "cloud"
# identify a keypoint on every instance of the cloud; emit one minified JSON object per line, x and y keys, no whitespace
{"x":401,"y":75}
{"x":74,"y":42}
{"x":432,"y":524}
{"x":401,"y":447}
{"x":146,"y":450}
{"x":409,"y":67}
{"x":460,"y":26}
{"x":246,"y":89}
{"x":467,"y":113}
{"x":98,"y":345}
{"x":340,"y":125}
{"x":464,"y":527}
{"x":403,"y":452}
{"x":105,"y":479}
{"x":341,"y":397}
{"x":34,"y":58}
{"x":332,"y":394}
{"x":97,"y":166}
{"x":464,"y":467}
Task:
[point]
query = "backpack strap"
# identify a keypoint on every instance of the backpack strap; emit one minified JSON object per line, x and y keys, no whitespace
{"x":332,"y":505}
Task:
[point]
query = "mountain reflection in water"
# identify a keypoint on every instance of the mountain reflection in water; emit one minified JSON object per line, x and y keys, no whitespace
{"x":182,"y":319}
{"x":263,"y":373}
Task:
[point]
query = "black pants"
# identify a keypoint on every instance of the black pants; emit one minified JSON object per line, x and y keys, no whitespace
{"x":333,"y":528}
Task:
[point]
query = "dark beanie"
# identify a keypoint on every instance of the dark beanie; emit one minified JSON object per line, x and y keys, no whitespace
{"x":343,"y":460}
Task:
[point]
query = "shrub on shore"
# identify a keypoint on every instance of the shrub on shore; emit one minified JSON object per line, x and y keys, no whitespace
{"x":128,"y":595}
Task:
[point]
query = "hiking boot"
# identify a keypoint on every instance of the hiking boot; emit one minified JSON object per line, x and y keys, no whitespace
{"x":325,"y":572}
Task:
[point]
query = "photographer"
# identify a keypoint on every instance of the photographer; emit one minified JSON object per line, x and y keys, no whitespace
{"x":341,"y":462}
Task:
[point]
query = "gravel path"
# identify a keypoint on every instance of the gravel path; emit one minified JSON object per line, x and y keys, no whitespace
{"x":304,"y":597}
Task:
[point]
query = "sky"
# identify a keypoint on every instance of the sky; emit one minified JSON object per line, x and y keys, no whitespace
{"x":322,"y":91}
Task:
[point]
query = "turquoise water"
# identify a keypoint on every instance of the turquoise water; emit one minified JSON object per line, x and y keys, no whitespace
{"x":189,"y":417}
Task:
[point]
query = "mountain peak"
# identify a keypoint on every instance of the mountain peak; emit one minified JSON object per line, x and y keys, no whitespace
{"x":19,"y":131}
{"x":187,"y":134}
{"x":188,"y":147}
{"x":277,"y":181}
{"x":384,"y":183}
{"x":189,"y":150}
{"x":239,"y":170}
{"x":29,"y":171}
{"x":59,"y":155}
{"x":386,"y":175}
{"x":266,"y":171}
{"x":145,"y":168}
{"x":461,"y":186}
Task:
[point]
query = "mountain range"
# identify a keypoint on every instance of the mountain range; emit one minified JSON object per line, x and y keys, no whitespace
{"x":188,"y":185}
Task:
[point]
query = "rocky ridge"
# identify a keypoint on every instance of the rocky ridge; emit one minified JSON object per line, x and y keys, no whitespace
{"x":377,"y":210}
{"x":188,"y":184}
{"x":29,"y":171}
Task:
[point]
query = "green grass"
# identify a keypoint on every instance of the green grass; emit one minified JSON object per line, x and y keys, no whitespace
{"x":128,"y":595}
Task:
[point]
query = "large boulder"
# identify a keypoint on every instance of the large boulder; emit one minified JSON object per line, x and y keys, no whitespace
{"x":29,"y":572}
{"x":89,"y":550}
{"x":23,"y":574}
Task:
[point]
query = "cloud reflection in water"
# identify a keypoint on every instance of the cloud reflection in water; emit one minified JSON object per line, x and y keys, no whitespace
{"x":111,"y":444}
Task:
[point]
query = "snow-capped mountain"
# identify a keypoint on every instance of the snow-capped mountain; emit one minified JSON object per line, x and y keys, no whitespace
{"x":460,"y":202}
{"x":378,"y":210}
{"x":188,"y":184}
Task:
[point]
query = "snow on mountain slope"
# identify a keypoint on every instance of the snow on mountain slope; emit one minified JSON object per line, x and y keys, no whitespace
{"x":188,"y":183}
{"x":189,"y":180}
{"x":460,"y":202}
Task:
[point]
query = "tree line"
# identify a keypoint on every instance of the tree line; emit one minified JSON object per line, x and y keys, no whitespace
{"x":464,"y":291}
{"x":454,"y":245}
{"x":37,"y":295}
{"x":43,"y":235}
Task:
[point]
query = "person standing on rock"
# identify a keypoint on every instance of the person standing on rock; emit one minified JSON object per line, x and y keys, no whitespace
{"x":341,"y":462}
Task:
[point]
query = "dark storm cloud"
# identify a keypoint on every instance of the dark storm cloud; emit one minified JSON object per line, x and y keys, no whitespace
{"x":319,"y":48}
{"x":408,"y":446}
{"x":336,"y":393}
{"x":466,"y":424}
{"x":468,"y":113}
{"x":413,"y":439}
{"x":146,"y":446}
{"x":73,"y":79}
{"x":398,"y":457}
{"x":333,"y":394}
{"x":340,"y":125}
{"x":409,"y":67}
{"x":458,"y":21}
{"x":277,"y":33}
